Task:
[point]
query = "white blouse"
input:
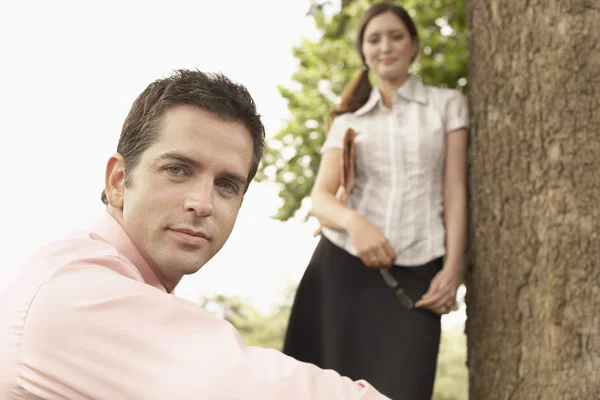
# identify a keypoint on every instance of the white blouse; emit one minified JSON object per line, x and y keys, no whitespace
{"x":400,"y":157}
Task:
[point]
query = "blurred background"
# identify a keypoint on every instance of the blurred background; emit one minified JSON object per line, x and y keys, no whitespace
{"x":70,"y":71}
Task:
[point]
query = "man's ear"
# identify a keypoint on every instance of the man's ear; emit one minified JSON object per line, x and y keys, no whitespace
{"x":114,"y":182}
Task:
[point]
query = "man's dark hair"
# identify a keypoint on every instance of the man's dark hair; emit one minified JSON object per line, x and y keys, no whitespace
{"x":212,"y":92}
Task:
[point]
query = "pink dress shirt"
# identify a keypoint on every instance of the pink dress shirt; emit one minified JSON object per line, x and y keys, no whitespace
{"x":88,"y":319}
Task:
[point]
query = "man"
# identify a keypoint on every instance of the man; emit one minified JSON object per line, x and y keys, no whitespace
{"x":92,"y":316}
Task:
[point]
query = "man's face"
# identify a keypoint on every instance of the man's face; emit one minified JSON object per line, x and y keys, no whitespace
{"x":186,"y":191}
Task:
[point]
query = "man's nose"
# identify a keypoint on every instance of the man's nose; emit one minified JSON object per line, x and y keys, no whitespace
{"x":199,"y":200}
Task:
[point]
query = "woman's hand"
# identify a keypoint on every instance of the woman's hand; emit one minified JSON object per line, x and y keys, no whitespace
{"x":372,"y":246}
{"x":441,"y":296}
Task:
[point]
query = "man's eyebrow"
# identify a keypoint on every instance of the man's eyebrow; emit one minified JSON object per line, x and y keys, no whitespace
{"x":173,"y":156}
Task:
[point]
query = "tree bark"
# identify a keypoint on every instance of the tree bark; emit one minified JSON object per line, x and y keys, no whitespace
{"x":533,"y":275}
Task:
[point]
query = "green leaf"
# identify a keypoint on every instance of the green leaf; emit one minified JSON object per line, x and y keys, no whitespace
{"x":327,"y":64}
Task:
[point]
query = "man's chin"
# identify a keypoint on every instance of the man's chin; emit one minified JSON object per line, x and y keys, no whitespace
{"x":188,"y":267}
{"x":184,"y":265}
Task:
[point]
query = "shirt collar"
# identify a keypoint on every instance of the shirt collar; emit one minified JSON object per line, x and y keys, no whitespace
{"x":412,"y":90}
{"x":374,"y":99}
{"x":113,"y":233}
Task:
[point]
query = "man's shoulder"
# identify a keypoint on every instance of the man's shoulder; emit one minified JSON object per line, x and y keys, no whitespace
{"x":74,"y":275}
{"x":75,"y":245}
{"x":67,"y":272}
{"x":88,"y":257}
{"x":80,"y":249}
{"x":69,"y":264}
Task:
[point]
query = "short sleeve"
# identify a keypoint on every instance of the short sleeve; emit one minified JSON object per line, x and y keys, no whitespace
{"x":335,"y":136}
{"x":457,"y":112}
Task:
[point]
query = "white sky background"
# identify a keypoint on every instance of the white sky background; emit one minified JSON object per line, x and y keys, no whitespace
{"x":69,"y":71}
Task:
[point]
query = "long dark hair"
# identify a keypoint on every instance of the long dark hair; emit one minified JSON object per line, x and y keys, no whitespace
{"x":357,"y":91}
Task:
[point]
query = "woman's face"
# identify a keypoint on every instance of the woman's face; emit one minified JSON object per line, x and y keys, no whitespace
{"x":388,"y":47}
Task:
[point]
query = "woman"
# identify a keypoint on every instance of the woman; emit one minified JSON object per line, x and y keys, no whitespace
{"x":405,"y":214}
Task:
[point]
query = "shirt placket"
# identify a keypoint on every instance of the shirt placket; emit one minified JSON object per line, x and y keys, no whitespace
{"x":405,"y":182}
{"x":396,"y":207}
{"x":411,"y":166}
{"x":395,"y":191}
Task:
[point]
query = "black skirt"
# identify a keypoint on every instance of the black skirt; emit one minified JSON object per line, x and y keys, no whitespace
{"x":346,"y":318}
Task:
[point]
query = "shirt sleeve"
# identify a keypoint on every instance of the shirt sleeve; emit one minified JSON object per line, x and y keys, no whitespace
{"x":335,"y":136}
{"x":457,"y":112}
{"x":92,"y":333}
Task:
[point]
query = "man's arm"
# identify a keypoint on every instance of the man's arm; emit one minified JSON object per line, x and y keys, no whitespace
{"x":92,"y":333}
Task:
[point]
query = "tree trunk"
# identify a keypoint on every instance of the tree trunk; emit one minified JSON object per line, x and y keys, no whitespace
{"x":533,"y":276}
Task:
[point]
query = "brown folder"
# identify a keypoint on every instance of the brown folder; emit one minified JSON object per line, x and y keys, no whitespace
{"x":347,"y":169}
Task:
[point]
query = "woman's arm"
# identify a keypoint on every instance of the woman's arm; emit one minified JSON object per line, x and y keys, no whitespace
{"x":441,"y":296}
{"x":455,"y":198}
{"x":325,"y":206}
{"x":372,"y":246}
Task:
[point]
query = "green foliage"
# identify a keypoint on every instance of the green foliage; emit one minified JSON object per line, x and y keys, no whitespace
{"x":452,"y":375}
{"x":257,"y":329}
{"x":327,"y":64}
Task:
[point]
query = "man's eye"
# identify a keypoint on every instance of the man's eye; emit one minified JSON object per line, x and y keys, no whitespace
{"x":176,"y":170}
{"x":230,"y":187}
